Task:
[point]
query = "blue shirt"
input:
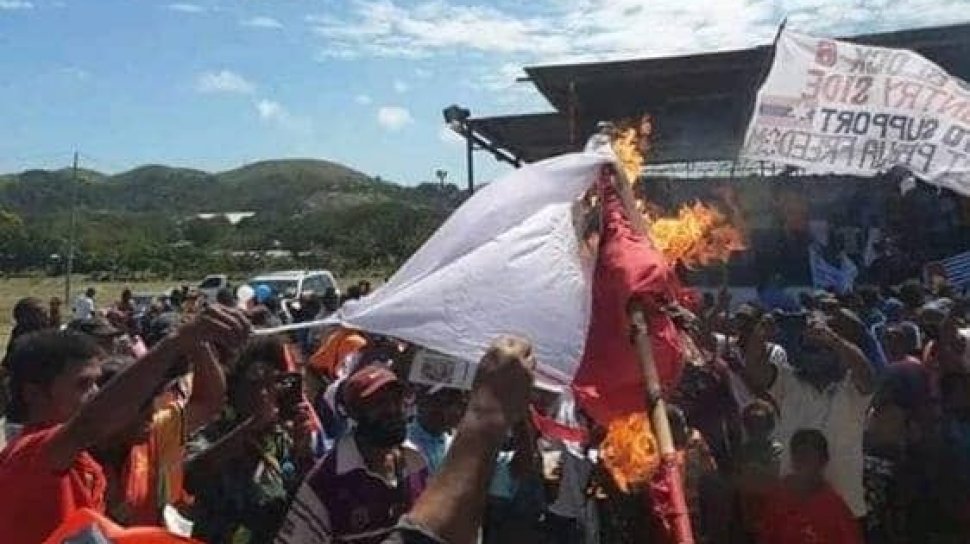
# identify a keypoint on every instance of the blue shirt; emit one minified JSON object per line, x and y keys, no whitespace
{"x":503,"y":484}
{"x":432,"y":447}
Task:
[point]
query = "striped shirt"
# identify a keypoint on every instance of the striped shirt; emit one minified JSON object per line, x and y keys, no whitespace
{"x":342,"y":501}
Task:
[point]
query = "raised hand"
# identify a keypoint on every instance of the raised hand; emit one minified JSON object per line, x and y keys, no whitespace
{"x":304,"y":424}
{"x":822,"y":334}
{"x":218,"y":325}
{"x":723,"y":301}
{"x":505,"y":376}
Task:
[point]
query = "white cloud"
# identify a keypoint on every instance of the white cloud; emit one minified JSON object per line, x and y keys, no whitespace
{"x":503,"y":78}
{"x":449,"y":137}
{"x":270,"y":110}
{"x":363,"y":99}
{"x":321,"y":19}
{"x":382,"y":28}
{"x":10,"y":5}
{"x":74,"y":72}
{"x":223,"y":81}
{"x":262,"y":22}
{"x":274,"y":113}
{"x":401,"y":86}
{"x":503,"y":84}
{"x":186,"y":8}
{"x":394,"y":118}
{"x":587,"y":30}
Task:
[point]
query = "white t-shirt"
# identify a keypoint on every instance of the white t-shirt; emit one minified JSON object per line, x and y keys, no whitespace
{"x":839,"y":411}
{"x":965,"y":359}
{"x":742,"y":396}
{"x":739,"y":390}
{"x":83,"y":307}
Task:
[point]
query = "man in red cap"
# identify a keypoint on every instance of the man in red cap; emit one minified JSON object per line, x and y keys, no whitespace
{"x":360,"y":489}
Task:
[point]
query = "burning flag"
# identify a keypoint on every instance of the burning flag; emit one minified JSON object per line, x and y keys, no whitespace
{"x":630,"y":451}
{"x":698,"y":234}
{"x":609,"y":382}
{"x":522,"y":256}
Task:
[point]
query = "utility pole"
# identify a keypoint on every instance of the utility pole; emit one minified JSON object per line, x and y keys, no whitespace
{"x":469,"y":159}
{"x":441,"y":174}
{"x":72,"y":236}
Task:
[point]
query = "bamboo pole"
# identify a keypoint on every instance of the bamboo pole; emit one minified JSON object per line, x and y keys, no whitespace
{"x":656,"y":407}
{"x":657,"y":410}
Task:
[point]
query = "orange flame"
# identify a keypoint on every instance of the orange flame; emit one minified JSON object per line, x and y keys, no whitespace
{"x":630,"y":451}
{"x":626,"y":147}
{"x":698,"y":234}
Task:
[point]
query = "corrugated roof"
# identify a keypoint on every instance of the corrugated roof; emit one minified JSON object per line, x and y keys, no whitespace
{"x":609,"y":90}
{"x":702,"y":102}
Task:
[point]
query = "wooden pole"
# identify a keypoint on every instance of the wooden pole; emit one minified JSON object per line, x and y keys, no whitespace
{"x":72,"y":238}
{"x":657,"y":410}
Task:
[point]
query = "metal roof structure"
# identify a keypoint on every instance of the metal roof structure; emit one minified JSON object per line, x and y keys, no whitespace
{"x":702,"y":102}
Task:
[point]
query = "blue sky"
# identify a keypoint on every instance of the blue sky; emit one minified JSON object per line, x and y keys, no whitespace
{"x":212,"y":84}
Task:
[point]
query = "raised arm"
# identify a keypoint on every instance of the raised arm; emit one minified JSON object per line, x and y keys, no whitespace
{"x":208,"y":389}
{"x":758,"y":372}
{"x":123,"y":399}
{"x":849,"y":355}
{"x":229,"y":449}
{"x":716,"y":319}
{"x":951,"y":346}
{"x":453,"y":505}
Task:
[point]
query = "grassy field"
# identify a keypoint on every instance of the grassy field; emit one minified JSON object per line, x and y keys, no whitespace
{"x":14,"y":289}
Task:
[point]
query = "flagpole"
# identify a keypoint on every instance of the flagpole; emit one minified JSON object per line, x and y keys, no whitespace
{"x":296,"y":327}
{"x":657,"y":410}
{"x":656,"y":407}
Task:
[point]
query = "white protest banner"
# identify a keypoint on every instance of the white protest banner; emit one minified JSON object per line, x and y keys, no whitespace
{"x":837,"y":107}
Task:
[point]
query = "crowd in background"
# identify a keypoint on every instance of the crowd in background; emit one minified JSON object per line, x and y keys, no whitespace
{"x":800,"y":418}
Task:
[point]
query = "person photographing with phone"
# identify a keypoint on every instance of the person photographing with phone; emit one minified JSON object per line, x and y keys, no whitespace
{"x":357,"y":492}
{"x":243,"y":468}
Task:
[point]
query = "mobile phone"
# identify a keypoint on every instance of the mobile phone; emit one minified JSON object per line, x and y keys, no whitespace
{"x":289,"y":394}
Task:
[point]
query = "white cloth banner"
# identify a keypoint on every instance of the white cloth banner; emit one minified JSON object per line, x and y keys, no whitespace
{"x":507,"y":261}
{"x":837,"y":107}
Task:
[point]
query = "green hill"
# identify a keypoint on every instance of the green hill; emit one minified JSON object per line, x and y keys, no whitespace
{"x":281,"y":186}
{"x":312,"y":207}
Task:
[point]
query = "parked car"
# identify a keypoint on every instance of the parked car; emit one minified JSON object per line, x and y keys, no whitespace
{"x":144,"y":301}
{"x":211,"y":285}
{"x":292,"y":284}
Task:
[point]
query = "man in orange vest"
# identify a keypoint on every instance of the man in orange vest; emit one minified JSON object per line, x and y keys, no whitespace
{"x":53,"y":380}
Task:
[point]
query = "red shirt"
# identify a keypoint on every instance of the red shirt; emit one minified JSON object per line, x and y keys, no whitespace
{"x":821,"y":518}
{"x":35,"y":499}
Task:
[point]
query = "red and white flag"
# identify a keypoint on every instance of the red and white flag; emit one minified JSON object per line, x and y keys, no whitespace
{"x":511,"y":260}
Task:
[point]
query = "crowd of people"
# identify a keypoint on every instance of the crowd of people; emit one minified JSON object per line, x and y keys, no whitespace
{"x":818,"y":418}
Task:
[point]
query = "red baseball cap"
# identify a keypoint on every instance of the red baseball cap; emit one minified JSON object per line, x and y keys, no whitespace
{"x":365,"y":384}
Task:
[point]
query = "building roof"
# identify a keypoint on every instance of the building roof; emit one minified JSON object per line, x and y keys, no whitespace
{"x":232,"y":217}
{"x":702,"y":102}
{"x":530,"y":137}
